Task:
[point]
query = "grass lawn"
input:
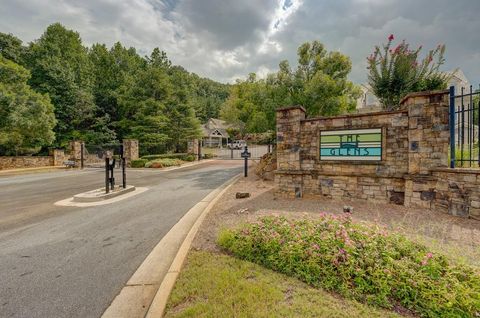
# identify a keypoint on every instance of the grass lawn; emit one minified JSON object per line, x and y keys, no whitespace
{"x":217,"y":285}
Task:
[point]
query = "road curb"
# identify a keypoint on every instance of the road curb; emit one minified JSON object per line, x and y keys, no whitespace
{"x":146,"y":292}
{"x":159,"y":303}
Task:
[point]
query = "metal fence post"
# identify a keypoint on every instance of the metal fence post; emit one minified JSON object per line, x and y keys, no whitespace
{"x":123,"y":163}
{"x":107,"y":175}
{"x":82,"y":149}
{"x":112,"y":178}
{"x":199,"y":150}
{"x":124,"y":173}
{"x":478,"y":129}
{"x":452,"y":126}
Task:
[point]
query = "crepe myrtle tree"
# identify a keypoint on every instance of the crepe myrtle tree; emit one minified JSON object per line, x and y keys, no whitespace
{"x":397,"y":71}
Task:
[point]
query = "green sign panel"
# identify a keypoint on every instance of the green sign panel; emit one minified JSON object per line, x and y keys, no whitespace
{"x":355,"y":144}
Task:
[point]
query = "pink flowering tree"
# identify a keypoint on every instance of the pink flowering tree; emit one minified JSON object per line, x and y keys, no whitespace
{"x":397,"y":71}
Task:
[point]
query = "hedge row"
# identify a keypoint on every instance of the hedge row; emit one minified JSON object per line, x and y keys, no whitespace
{"x":162,"y":163}
{"x":364,"y":263}
{"x":181,"y":156}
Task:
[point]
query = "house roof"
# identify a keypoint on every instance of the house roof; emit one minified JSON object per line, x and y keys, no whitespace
{"x":215,"y":126}
{"x":218,"y":123}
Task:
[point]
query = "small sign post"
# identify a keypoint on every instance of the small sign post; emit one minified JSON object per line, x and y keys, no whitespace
{"x":245,"y":155}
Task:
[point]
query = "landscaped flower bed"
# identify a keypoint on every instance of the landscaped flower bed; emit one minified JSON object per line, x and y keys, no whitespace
{"x":360,"y":262}
{"x":162,"y":163}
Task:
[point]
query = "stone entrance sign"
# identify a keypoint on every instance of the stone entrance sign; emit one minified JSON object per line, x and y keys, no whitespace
{"x":353,"y":144}
{"x":398,"y":156}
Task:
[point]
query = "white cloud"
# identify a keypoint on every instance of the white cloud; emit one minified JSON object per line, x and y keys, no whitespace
{"x":225,"y":39}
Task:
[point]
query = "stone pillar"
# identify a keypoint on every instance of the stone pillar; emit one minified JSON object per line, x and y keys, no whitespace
{"x":428,"y":131}
{"x":193,"y":147}
{"x":428,"y":144}
{"x":288,"y":176}
{"x":76,"y":150}
{"x":288,"y":137}
{"x":130,"y":150}
{"x":58,"y":156}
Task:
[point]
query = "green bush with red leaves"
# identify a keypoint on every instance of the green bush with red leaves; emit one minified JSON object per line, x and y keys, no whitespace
{"x":359,"y":262}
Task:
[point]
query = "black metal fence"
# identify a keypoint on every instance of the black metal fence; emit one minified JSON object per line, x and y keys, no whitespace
{"x":256,"y":151}
{"x":464,"y":127}
{"x":94,"y":155}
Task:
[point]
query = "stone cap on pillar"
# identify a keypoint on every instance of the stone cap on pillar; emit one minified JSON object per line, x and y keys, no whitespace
{"x":425,"y":97}
{"x":287,"y":108}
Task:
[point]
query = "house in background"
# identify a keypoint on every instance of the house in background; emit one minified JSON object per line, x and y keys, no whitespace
{"x":458,"y":80}
{"x":214,"y":132}
{"x":368,"y":102}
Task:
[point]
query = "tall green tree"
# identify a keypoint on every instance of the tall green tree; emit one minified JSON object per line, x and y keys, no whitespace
{"x":102,"y":95}
{"x":184,"y":125}
{"x":115,"y":71}
{"x":156,"y":108}
{"x":26,"y":117}
{"x":11,"y":48}
{"x":61,"y":68}
{"x":319,"y":83}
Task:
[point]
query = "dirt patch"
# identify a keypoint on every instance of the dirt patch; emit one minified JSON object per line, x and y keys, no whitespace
{"x":457,"y":237}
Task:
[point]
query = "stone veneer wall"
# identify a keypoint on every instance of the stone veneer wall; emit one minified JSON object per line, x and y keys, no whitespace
{"x":413,"y":169}
{"x":25,"y":162}
{"x":56,"y":158}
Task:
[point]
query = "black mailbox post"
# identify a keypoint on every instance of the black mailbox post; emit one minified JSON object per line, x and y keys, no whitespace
{"x":245,"y":155}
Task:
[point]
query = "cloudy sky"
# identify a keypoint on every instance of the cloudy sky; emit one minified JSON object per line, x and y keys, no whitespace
{"x":227,"y":39}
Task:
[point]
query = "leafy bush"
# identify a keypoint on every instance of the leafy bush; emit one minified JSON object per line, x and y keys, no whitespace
{"x":139,"y":163}
{"x":359,"y":262}
{"x":394,"y":73}
{"x":181,"y":156}
{"x":190,"y":157}
{"x":162,"y":163}
{"x":267,"y":165}
{"x":208,"y":155}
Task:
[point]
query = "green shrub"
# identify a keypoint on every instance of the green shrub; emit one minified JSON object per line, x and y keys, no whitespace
{"x":181,"y":156}
{"x":359,"y":262}
{"x":190,"y":157}
{"x":139,"y":163}
{"x":162,"y":163}
{"x":208,"y":155}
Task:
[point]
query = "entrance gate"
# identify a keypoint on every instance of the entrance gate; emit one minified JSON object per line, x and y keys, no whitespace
{"x":94,"y":155}
{"x":257,"y":151}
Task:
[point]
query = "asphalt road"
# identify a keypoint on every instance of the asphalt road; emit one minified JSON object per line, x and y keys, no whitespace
{"x":72,"y":262}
